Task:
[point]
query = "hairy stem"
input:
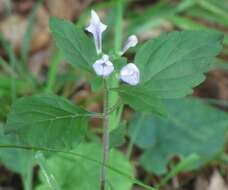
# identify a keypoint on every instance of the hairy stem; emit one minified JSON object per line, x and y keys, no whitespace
{"x":105,"y":138}
{"x":52,"y":74}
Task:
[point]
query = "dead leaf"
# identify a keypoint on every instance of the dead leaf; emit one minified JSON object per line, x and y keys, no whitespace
{"x":217,"y":182}
{"x":13,"y":28}
{"x":201,"y":183}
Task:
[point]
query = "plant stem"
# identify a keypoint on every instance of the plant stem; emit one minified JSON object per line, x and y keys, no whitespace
{"x":189,"y":161}
{"x":56,"y":59}
{"x":212,"y":8}
{"x":105,"y":137}
{"x":13,"y":79}
{"x":7,"y":68}
{"x":75,"y":155}
{"x":28,"y":34}
{"x":118,"y":26}
{"x":51,"y":181}
{"x":27,"y":179}
{"x":113,"y":96}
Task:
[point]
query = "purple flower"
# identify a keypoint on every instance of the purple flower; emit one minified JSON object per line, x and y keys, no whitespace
{"x":131,"y":42}
{"x":96,"y":27}
{"x":103,"y":67}
{"x":130,"y":74}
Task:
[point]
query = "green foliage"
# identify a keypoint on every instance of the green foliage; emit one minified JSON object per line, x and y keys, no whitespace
{"x":170,"y":66}
{"x":141,"y":99}
{"x":77,"y":48}
{"x":84,"y":175}
{"x":47,"y":121}
{"x":191,"y":127}
{"x":24,"y":159}
{"x":184,"y":164}
{"x":23,"y":86}
{"x":96,"y":83}
{"x":117,"y":136}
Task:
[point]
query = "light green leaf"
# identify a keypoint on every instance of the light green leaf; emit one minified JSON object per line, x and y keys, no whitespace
{"x":170,"y":66}
{"x":76,"y":46}
{"x":191,"y":128}
{"x":47,"y":121}
{"x":84,"y":175}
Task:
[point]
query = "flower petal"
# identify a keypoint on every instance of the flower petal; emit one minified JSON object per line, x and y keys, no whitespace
{"x":131,"y":42}
{"x":103,"y":67}
{"x":130,"y":74}
{"x":96,"y":27}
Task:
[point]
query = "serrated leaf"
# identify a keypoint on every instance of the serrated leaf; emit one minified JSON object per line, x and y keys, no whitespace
{"x":47,"y":121}
{"x":85,"y":175}
{"x":141,"y":99}
{"x":170,"y":66}
{"x":78,"y":49}
{"x":191,"y":127}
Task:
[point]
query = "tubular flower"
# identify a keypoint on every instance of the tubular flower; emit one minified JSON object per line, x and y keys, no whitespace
{"x":130,"y":74}
{"x":131,"y":42}
{"x":96,"y":27}
{"x":103,"y":67}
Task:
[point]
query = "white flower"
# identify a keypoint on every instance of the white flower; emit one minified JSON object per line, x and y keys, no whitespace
{"x":131,"y":42}
{"x":103,"y":67}
{"x":130,"y":74}
{"x":96,"y":27}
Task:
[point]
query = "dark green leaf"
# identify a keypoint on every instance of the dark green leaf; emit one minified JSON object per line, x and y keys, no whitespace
{"x":77,"y":48}
{"x":170,"y":67}
{"x":191,"y":127}
{"x":47,"y":121}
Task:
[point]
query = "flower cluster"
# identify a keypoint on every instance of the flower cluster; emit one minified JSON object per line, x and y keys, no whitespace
{"x":103,"y":67}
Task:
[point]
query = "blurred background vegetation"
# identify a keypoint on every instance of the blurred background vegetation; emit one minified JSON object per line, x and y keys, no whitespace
{"x":30,"y":64}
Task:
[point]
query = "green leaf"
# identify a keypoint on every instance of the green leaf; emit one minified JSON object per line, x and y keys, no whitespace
{"x":141,"y":99}
{"x":170,"y":66}
{"x":82,"y":174}
{"x":76,"y":46}
{"x":96,"y":83}
{"x":117,"y":136}
{"x":24,"y":160}
{"x":141,"y":132}
{"x":181,"y":166}
{"x":23,"y":86}
{"x":192,"y":127}
{"x":47,"y":121}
